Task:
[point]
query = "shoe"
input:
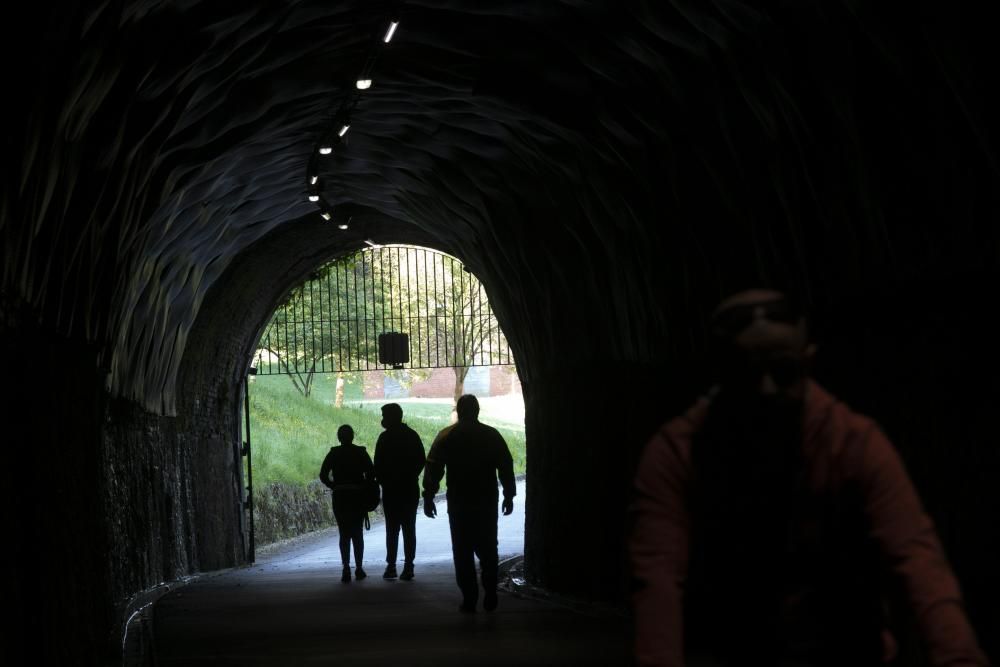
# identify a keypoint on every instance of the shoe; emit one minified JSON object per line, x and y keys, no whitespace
{"x":390,"y":572}
{"x":490,"y":600}
{"x":346,"y":576}
{"x":359,"y":573}
{"x":407,"y":573}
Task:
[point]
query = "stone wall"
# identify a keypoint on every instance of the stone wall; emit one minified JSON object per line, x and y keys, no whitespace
{"x":282,"y":511}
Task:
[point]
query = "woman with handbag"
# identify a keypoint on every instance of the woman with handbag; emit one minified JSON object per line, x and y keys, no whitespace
{"x":349,"y":473}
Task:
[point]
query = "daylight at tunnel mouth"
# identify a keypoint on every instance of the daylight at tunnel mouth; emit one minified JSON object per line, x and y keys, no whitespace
{"x":388,"y":324}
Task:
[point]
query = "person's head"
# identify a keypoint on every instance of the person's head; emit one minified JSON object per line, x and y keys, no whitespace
{"x":392,"y":415}
{"x":467,"y":408}
{"x":762,"y":349}
{"x":345,"y":434}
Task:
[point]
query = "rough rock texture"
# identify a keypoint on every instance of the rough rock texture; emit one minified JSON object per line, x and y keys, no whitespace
{"x":282,"y":511}
{"x":608,"y":170}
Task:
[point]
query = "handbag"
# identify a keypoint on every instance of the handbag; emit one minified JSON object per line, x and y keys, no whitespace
{"x":372,"y":495}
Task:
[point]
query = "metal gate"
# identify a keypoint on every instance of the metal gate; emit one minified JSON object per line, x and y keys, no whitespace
{"x":333,"y":321}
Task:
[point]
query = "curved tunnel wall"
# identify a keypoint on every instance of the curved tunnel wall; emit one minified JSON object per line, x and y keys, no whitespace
{"x":608,"y":171}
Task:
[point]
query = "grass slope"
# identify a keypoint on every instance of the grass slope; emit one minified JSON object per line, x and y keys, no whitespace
{"x":291,"y":434}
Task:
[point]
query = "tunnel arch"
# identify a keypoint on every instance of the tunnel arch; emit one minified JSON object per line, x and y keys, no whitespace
{"x":223,"y":340}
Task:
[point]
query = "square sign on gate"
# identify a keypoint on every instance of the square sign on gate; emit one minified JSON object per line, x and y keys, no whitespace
{"x":394,"y":348}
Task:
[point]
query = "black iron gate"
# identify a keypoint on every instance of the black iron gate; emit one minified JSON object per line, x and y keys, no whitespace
{"x":332,"y":322}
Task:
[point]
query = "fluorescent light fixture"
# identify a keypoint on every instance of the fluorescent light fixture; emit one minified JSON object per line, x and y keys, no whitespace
{"x":325,"y":150}
{"x":313,"y":180}
{"x":344,"y":130}
{"x":325,"y":215}
{"x":392,"y":31}
{"x":364,"y":84}
{"x":342,"y":226}
{"x":313,"y":197}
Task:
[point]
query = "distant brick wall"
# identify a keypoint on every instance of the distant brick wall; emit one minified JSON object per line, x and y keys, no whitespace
{"x":441,"y":384}
{"x":504,"y":380}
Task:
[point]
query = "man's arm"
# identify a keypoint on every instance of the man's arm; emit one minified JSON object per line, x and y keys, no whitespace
{"x":658,"y":551}
{"x":419,"y":459}
{"x":505,"y":468}
{"x":912,"y":552}
{"x":434,"y":468}
{"x":505,"y":471}
{"x":380,"y":461}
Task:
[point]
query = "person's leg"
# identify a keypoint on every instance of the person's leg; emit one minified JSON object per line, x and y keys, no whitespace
{"x":486,"y":549}
{"x":392,"y":527}
{"x":358,"y":537}
{"x":408,"y":523}
{"x":344,"y":534}
{"x":463,"y":555}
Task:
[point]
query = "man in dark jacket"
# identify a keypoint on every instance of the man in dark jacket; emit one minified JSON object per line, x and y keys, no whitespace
{"x":474,"y":455}
{"x":399,"y":458}
{"x":771,"y":523}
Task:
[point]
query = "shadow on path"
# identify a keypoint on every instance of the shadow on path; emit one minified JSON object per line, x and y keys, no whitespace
{"x":291,"y":609}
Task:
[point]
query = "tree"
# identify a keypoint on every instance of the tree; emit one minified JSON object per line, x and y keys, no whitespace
{"x":320,"y":326}
{"x":459,"y":321}
{"x":333,"y":319}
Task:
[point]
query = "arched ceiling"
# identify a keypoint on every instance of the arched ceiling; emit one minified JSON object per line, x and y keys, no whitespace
{"x":676,"y":146}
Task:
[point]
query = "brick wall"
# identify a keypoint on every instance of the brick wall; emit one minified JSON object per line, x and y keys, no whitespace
{"x":441,"y":383}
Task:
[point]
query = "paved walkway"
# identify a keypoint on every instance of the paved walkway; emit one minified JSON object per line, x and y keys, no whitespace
{"x":292,"y":609}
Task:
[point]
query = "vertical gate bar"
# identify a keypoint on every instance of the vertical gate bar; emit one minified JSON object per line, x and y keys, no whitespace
{"x":317,"y":306}
{"x":456,"y":310}
{"x":489,"y":323}
{"x":329,"y":310}
{"x":392,"y":306}
{"x":427,"y":308}
{"x":437,"y":320}
{"x":402,"y":296}
{"x":246,"y":411}
{"x":444,"y":305}
{"x":366,"y":278}
{"x":300,"y":343}
{"x":482,"y":327}
{"x":416,"y":276}
{"x":381,"y":286}
{"x":446,"y":286}
{"x":312,"y":324}
{"x":471,"y":355}
{"x":267,"y":346}
{"x":358,"y":316}
{"x":284,"y":310}
{"x":361,"y":309}
{"x":409,"y":301}
{"x":340,"y":323}
{"x":321,"y":287}
{"x":347,"y":310}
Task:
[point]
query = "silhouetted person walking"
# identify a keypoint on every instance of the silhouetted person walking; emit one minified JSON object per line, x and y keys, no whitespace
{"x":770,"y":523}
{"x":474,"y":455}
{"x":399,"y":459}
{"x":346,"y":469}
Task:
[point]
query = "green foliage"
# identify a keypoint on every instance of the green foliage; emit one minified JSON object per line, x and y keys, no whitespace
{"x":332,"y":321}
{"x":292,"y":433}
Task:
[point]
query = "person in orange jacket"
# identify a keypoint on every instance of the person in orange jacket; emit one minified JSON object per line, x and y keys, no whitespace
{"x":772,"y":525}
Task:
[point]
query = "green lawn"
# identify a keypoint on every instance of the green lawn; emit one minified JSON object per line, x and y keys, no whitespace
{"x":291,"y":434}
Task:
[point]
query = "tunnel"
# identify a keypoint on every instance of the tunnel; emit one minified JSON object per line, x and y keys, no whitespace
{"x":609,"y":171}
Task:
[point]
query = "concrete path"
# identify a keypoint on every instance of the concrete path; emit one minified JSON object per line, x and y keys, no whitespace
{"x":292,"y":609}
